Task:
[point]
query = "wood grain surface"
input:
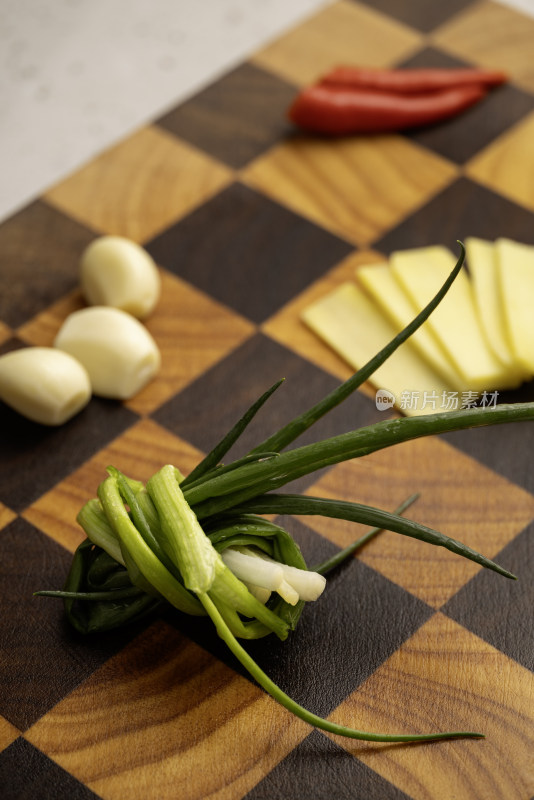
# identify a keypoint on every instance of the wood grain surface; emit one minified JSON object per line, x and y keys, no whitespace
{"x":249,"y":222}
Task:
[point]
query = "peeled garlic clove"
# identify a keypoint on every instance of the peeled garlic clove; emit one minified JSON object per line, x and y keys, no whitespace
{"x":43,"y":384}
{"x":116,"y":349}
{"x":117,"y":272}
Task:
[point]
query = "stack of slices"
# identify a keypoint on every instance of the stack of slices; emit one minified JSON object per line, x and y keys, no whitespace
{"x":478,"y":341}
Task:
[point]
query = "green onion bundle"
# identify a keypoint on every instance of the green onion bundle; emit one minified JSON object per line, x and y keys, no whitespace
{"x":200,"y":544}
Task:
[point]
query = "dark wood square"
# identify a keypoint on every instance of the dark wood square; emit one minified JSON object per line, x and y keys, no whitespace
{"x":461,"y":137}
{"x":502,"y":448}
{"x":198,"y":415}
{"x":13,"y":343}
{"x":498,"y":448}
{"x":505,"y":618}
{"x":28,"y":774}
{"x":47,"y":657}
{"x":462,"y":209}
{"x":33,"y":457}
{"x":328,"y":771}
{"x":420,"y":14}
{"x":34,"y":244}
{"x":236,"y":118}
{"x":247,"y":252}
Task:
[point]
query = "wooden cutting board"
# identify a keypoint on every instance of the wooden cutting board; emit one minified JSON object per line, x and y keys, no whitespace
{"x":250,"y":222}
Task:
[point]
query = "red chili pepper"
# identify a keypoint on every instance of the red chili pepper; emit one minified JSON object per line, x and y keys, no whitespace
{"x":342,"y":112}
{"x":407,"y":81}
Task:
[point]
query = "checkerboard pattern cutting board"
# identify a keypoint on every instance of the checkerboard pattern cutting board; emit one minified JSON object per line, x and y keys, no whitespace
{"x":249,"y":222}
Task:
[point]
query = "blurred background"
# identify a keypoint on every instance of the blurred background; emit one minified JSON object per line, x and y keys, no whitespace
{"x":78,"y":75}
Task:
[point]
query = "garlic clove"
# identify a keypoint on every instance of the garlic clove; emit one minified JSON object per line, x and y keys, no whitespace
{"x":46,"y":385}
{"x":117,"y":351}
{"x":116,"y":271}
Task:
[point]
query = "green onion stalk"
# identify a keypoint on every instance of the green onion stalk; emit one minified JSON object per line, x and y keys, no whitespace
{"x":200,"y":543}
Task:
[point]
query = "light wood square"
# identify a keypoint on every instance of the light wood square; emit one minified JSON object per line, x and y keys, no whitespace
{"x":507,"y":165}
{"x":192,"y":332}
{"x":6,"y":516}
{"x":140,"y":186}
{"x":5,"y":333}
{"x":445,"y":678}
{"x":139,"y":453}
{"x":164,"y":719}
{"x":8,"y":733}
{"x":287,"y":327}
{"x":341,"y":33}
{"x":458,"y":496}
{"x":492,"y":35}
{"x":357,"y":187}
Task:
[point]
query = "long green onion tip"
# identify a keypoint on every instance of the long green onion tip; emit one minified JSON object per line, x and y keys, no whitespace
{"x":307,"y":716}
{"x":339,"y":558}
{"x":163,"y":543}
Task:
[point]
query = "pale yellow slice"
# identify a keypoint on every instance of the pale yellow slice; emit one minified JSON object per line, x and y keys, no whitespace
{"x":516,"y":277}
{"x":483,"y":269}
{"x":356,"y":329}
{"x":391,"y":298}
{"x":421,"y":272}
